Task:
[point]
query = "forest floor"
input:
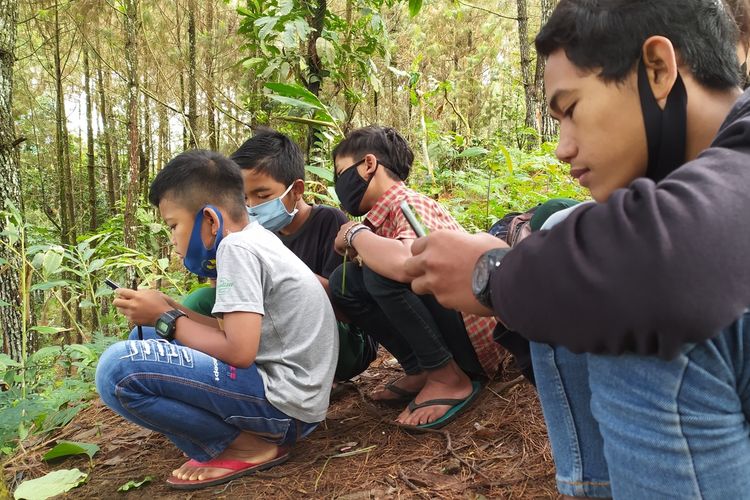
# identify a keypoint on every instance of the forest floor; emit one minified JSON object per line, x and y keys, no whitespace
{"x":498,"y":448}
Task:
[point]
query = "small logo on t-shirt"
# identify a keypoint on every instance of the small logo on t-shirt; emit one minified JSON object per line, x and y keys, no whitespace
{"x":224,"y":285}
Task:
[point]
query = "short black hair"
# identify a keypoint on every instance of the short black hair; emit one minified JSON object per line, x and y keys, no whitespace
{"x":392,"y":150}
{"x":197,"y":178}
{"x":608,"y":35}
{"x":271,"y":153}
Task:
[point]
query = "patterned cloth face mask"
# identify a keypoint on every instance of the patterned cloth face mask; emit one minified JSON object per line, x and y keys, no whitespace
{"x":199,"y":259}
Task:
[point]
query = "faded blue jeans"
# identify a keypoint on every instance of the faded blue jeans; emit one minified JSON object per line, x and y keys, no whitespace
{"x":200,"y":403}
{"x":641,"y":427}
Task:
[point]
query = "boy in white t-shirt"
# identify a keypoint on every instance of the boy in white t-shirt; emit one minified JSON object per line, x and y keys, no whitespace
{"x":235,"y":391}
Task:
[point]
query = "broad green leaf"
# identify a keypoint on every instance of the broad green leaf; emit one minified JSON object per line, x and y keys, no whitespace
{"x":49,"y":284}
{"x":3,"y":261}
{"x":95,"y":265}
{"x":307,"y":121}
{"x":86,"y":304}
{"x":6,"y":361}
{"x":321,"y":172}
{"x":326,"y":51}
{"x":266,"y":25}
{"x":472,"y":152}
{"x":399,"y":72}
{"x":508,"y":159}
{"x":130,"y":485}
{"x":68,"y":448}
{"x":47,"y":330}
{"x":292,"y":102}
{"x":155,"y":227}
{"x":4,"y":303}
{"x":45,"y":352}
{"x":52,"y":260}
{"x":414,"y":7}
{"x":285,"y":7}
{"x":296,"y":91}
{"x":38,"y":260}
{"x":252,"y":62}
{"x":50,"y":485}
{"x":162,"y":263}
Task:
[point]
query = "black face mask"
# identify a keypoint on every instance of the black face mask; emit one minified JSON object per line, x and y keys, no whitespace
{"x":351,"y":188}
{"x":666,"y":129}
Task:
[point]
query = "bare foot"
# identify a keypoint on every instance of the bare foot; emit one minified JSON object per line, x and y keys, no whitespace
{"x":448,"y":382}
{"x":246,"y":448}
{"x":409,"y":383}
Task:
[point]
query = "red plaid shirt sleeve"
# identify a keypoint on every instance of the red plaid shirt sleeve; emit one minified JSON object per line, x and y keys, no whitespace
{"x":388,"y":221}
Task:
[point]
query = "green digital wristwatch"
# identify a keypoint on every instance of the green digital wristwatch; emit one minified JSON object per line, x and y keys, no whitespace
{"x":167,"y":323}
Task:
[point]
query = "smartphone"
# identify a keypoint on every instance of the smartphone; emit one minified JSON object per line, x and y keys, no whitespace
{"x":111,"y":284}
{"x":413,"y":222}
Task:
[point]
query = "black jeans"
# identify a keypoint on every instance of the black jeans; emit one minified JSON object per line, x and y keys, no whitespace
{"x":419,"y":332}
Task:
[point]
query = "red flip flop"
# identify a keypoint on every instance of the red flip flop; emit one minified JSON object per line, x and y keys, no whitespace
{"x":237,"y":469}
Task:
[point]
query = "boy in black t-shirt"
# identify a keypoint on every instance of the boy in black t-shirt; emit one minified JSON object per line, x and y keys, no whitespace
{"x":273,"y":173}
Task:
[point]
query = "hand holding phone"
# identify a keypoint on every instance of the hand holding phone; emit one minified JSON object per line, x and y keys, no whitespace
{"x":115,"y":286}
{"x":419,"y":230}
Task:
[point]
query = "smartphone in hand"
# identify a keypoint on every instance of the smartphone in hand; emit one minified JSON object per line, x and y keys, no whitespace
{"x":111,"y":284}
{"x":412,"y":219}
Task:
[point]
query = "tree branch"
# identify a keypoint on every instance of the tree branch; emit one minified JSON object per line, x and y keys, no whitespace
{"x":503,"y":16}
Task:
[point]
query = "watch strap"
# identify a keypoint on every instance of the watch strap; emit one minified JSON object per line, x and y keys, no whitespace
{"x":169,"y":319}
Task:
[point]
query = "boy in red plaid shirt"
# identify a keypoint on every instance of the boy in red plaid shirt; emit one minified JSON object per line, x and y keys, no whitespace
{"x":444,"y":355}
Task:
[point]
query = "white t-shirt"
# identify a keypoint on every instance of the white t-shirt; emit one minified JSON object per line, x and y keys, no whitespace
{"x":299,"y":339}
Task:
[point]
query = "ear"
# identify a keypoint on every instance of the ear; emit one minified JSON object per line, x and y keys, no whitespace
{"x":370,"y":165}
{"x":660,"y":60}
{"x":298,"y":189}
{"x":210,"y":223}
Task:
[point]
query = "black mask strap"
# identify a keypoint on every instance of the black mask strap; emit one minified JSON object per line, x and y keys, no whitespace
{"x":666,"y":130}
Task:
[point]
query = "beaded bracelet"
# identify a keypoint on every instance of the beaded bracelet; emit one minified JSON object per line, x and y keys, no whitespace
{"x":356,"y":228}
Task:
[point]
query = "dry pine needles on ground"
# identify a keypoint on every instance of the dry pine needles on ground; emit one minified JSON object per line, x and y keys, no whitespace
{"x":498,"y":448}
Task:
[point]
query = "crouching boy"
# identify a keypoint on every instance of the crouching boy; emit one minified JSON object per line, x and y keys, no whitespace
{"x":235,"y":391}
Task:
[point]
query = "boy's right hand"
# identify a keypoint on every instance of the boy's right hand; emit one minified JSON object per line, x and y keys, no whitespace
{"x":142,"y":307}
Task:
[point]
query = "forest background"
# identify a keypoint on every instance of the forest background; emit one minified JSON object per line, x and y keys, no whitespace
{"x":97,"y":95}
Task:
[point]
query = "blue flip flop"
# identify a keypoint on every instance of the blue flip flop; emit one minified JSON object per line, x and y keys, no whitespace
{"x":457,"y":406}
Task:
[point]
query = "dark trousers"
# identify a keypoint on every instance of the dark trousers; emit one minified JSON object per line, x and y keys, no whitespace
{"x":419,"y":332}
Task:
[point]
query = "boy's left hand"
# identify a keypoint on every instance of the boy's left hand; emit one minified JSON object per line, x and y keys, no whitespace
{"x":339,"y":244}
{"x":142,"y":307}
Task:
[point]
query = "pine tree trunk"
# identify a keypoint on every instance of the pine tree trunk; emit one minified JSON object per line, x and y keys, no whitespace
{"x":192,"y":88}
{"x":61,"y":142}
{"x":528,"y":81}
{"x":145,"y":149}
{"x":11,"y":315}
{"x":89,"y":142}
{"x":316,"y":19}
{"x":107,"y":139}
{"x":213,"y":136}
{"x":547,"y":126}
{"x":131,"y":60}
{"x":163,"y":137}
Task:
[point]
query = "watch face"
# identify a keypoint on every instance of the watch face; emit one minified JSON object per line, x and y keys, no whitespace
{"x":162,"y":327}
{"x":481,"y":275}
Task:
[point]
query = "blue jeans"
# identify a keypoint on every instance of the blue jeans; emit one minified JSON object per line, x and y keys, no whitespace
{"x":652,"y":428}
{"x":200,"y":403}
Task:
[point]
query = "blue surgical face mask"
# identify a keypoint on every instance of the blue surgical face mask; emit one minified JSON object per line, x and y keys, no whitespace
{"x":273,"y":215}
{"x":199,"y":259}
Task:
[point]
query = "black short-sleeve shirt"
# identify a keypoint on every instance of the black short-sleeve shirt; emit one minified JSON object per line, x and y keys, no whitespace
{"x":313,"y":242}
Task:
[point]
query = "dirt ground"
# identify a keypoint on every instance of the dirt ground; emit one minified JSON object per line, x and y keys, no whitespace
{"x":498,"y":448}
